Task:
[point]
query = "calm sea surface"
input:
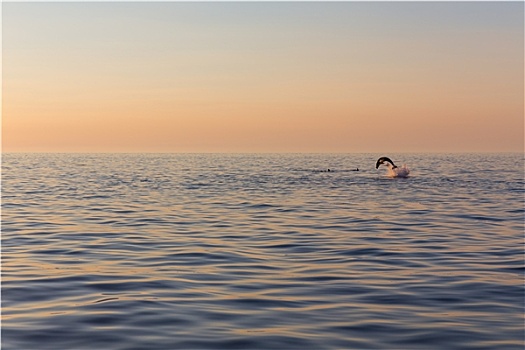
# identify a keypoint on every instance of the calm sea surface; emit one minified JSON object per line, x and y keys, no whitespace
{"x":216,"y":251}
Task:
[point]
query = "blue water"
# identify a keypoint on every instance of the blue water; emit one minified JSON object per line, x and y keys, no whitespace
{"x":217,"y":251}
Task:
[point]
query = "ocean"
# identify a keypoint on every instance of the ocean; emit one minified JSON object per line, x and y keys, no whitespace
{"x":262,"y":251}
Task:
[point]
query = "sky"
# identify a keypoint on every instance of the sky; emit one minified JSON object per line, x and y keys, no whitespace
{"x":335,"y":77}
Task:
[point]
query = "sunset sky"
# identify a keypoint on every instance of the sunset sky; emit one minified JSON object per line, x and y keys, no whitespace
{"x":263,"y":77}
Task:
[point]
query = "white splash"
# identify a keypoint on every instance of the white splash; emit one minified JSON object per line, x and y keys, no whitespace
{"x":402,"y":171}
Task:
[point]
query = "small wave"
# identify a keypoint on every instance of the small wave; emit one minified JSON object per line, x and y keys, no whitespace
{"x":105,"y":300}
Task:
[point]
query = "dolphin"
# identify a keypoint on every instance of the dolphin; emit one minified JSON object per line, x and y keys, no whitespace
{"x":382,"y":160}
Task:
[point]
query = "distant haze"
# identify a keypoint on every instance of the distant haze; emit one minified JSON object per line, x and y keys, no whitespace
{"x":263,"y":77}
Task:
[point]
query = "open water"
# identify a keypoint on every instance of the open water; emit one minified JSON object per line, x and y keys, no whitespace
{"x":218,"y":251}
